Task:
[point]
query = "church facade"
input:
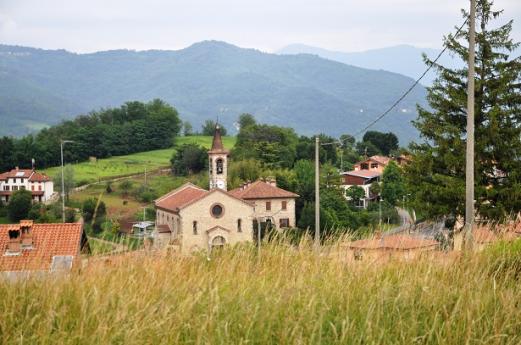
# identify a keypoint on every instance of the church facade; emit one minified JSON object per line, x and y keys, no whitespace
{"x":191,"y":218}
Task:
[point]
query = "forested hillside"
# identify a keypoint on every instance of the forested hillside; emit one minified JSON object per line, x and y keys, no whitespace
{"x":132,"y":127}
{"x":206,"y":80}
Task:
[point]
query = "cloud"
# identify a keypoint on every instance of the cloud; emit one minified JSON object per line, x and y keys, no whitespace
{"x":92,"y":25}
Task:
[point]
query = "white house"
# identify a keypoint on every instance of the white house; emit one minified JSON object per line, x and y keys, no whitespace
{"x":40,"y":185}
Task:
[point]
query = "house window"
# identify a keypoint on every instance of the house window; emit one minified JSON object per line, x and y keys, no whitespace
{"x":217,"y":210}
{"x":15,"y":187}
{"x":6,"y":188}
{"x":364,"y":166}
{"x":374,"y":165}
{"x":22,"y":187}
{"x":239,"y":225}
{"x":32,"y":187}
{"x":194,"y":227}
{"x":284,"y":222}
{"x":284,"y":205}
{"x":220,"y":166}
{"x":268,"y":205}
{"x":40,"y":188}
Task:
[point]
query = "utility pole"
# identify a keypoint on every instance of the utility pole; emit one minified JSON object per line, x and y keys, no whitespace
{"x":63,"y":142}
{"x":317,"y":193}
{"x":380,"y":213}
{"x":469,"y":180}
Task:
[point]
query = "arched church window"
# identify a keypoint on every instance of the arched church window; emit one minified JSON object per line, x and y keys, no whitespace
{"x":219,"y":166}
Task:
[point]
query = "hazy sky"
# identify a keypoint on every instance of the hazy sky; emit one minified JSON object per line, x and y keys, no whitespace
{"x":346,"y":25}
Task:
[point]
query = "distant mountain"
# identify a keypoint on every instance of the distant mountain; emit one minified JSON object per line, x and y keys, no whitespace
{"x":403,"y":59}
{"x":208,"y":79}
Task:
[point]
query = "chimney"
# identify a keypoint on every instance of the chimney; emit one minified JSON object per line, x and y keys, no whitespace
{"x":17,"y":168}
{"x":27,"y":234}
{"x":14,"y":245}
{"x":272,"y":181}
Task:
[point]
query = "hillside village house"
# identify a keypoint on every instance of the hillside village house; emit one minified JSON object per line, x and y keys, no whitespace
{"x":366,"y":173}
{"x":192,"y":218}
{"x":28,"y":248}
{"x":40,"y":185}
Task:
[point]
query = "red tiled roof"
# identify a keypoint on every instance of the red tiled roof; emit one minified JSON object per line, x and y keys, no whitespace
{"x":32,"y":175}
{"x":180,"y":197}
{"x":363,"y":173}
{"x":261,"y":190}
{"x":397,"y":242}
{"x":39,"y":177}
{"x":49,"y":240}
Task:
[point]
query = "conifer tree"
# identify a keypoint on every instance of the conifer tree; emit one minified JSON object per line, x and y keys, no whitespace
{"x":437,"y":173}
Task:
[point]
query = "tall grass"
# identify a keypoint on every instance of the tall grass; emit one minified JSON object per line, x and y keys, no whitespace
{"x":288,"y":295}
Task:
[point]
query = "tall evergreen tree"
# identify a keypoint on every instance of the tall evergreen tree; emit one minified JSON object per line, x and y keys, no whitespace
{"x":437,"y":173}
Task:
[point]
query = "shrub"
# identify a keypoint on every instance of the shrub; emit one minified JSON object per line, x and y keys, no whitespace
{"x":19,"y":205}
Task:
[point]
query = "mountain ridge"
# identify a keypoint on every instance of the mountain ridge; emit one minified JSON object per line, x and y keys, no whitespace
{"x":204,"y":80}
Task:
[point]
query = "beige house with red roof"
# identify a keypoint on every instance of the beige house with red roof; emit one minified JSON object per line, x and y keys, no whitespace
{"x":192,"y":218}
{"x":272,"y":204}
{"x":28,"y":247}
{"x":40,"y":185}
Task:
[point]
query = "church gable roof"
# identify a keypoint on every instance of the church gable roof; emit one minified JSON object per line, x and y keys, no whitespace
{"x":261,"y":190}
{"x":180,"y":197}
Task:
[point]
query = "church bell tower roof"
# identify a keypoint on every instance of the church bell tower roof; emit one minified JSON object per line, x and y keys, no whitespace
{"x":217,"y":142}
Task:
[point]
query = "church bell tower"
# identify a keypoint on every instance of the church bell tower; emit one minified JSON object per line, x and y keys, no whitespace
{"x":218,"y":162}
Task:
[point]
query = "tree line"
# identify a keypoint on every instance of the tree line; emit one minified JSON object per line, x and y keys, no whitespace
{"x":133,"y":127}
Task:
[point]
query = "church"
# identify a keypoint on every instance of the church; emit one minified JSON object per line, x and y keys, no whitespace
{"x":190,"y":218}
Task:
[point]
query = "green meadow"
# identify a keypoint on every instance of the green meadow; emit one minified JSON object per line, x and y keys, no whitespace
{"x":119,"y":166}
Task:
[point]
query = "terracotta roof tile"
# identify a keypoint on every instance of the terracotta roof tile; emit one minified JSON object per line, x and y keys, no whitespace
{"x":39,"y":177}
{"x":261,"y":190}
{"x":30,"y":174}
{"x":397,"y":242}
{"x":180,"y":197}
{"x":363,"y":173}
{"x":49,"y":240}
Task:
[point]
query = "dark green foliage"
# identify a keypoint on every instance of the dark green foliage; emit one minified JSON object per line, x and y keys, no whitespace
{"x":70,"y":215}
{"x":367,"y":149}
{"x":274,"y":146}
{"x":393,"y":184}
{"x":189,"y":159}
{"x":437,"y":172}
{"x":208,"y":128}
{"x":246,"y":120}
{"x":384,"y":142}
{"x":88,"y":209}
{"x":355,"y":194}
{"x":133,"y":127}
{"x":19,"y":205}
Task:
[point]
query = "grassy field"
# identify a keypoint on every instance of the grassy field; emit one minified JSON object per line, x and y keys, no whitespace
{"x":287,"y":296}
{"x":88,"y":172}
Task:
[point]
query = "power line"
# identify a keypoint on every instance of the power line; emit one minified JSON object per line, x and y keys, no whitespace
{"x":416,"y":82}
